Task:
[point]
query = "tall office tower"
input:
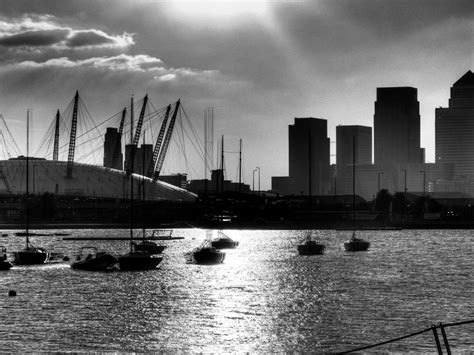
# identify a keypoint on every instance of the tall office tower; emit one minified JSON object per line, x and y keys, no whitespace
{"x":110,"y":144}
{"x":143,"y":157}
{"x":397,"y":127}
{"x":454,"y":128}
{"x":309,"y":156}
{"x":208,"y":140}
{"x":363,"y":144}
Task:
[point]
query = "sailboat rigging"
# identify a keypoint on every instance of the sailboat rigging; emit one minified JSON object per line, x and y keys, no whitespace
{"x":136,"y":259}
{"x":355,"y":244}
{"x":309,"y":246}
{"x":30,"y":255}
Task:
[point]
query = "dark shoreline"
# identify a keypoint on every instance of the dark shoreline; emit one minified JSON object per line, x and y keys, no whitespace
{"x":243,"y":226}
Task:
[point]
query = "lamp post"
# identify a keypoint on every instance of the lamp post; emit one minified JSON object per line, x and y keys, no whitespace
{"x":424,"y":181}
{"x":405,"y":170}
{"x":253,"y":179}
{"x":405,"y":194}
{"x":378,"y":181}
{"x":257,"y":168}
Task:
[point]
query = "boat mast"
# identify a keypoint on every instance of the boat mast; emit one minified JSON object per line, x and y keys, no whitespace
{"x":143,"y":186}
{"x":353,"y":183}
{"x":222,"y":164}
{"x":131,"y":163}
{"x":310,"y":192}
{"x":27,"y":175}
{"x":240,"y":167}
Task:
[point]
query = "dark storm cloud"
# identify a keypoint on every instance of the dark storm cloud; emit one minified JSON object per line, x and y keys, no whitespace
{"x":34,"y":38}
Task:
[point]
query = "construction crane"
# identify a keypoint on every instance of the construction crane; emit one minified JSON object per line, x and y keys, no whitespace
{"x":136,"y":137}
{"x":159,"y":140}
{"x":56,"y":138}
{"x":166,"y":143}
{"x":119,"y":139}
{"x":72,"y":138}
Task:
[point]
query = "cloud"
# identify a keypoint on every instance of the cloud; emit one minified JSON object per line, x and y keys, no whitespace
{"x":31,"y":31}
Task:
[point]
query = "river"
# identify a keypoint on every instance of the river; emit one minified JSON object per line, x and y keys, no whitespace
{"x":263,"y":298}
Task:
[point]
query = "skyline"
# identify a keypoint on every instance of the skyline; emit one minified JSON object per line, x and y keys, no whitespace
{"x":259,"y":67}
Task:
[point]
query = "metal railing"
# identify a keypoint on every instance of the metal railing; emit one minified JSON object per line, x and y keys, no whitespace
{"x":434,"y":328}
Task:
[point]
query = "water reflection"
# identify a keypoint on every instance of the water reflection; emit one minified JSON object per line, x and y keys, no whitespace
{"x":264,"y":298}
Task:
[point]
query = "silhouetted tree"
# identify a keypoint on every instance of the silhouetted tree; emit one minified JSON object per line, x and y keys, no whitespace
{"x":399,"y":203}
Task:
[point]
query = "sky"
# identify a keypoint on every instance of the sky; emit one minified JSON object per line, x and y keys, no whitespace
{"x":258,"y":63}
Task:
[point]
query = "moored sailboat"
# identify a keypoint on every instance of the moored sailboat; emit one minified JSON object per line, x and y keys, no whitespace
{"x":354,"y":243}
{"x":310,"y":247}
{"x":30,"y":255}
{"x":223,"y":241}
{"x":137,"y":259}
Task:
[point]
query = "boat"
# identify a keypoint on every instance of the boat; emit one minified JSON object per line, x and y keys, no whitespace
{"x":354,"y":243}
{"x":310,"y":247}
{"x":30,"y":255}
{"x":206,"y":254}
{"x":90,"y":259}
{"x":141,"y":255}
{"x":149,"y":247}
{"x":4,"y":263}
{"x":223,"y":241}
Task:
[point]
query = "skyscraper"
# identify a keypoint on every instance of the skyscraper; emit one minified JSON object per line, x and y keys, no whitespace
{"x":397,"y":127}
{"x":363,"y":143}
{"x":309,"y":156}
{"x":111,"y":143}
{"x":345,"y":136}
{"x":454,"y":128}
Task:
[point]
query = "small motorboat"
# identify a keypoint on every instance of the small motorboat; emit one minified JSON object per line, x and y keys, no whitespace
{"x":207,"y":254}
{"x":90,"y":259}
{"x":310,"y":247}
{"x":356,"y":244}
{"x":136,"y":260}
{"x":224,"y":242}
{"x":149,"y":247}
{"x":4,"y":263}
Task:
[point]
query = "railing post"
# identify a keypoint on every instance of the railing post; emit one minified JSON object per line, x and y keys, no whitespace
{"x":445,"y":339}
{"x":438,"y":344}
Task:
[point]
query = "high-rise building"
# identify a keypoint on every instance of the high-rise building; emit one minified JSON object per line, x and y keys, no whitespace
{"x":141,"y":159}
{"x":346,"y":138}
{"x":112,"y":142}
{"x":363,"y":143}
{"x":309,"y":156}
{"x":454,"y":128}
{"x":397,"y":127}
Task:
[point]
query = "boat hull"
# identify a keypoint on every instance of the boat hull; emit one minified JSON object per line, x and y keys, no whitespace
{"x":138,"y":260}
{"x":99,"y":262}
{"x":149,"y":247}
{"x":30,"y":256}
{"x":224,"y":244}
{"x":311,"y":249}
{"x":358,"y":245}
{"x":208,"y":257}
{"x":5,"y":265}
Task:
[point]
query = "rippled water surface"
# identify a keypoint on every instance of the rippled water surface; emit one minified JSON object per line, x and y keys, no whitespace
{"x":264,"y":298}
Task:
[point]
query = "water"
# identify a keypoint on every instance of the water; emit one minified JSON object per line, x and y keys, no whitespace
{"x":264,"y":298}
